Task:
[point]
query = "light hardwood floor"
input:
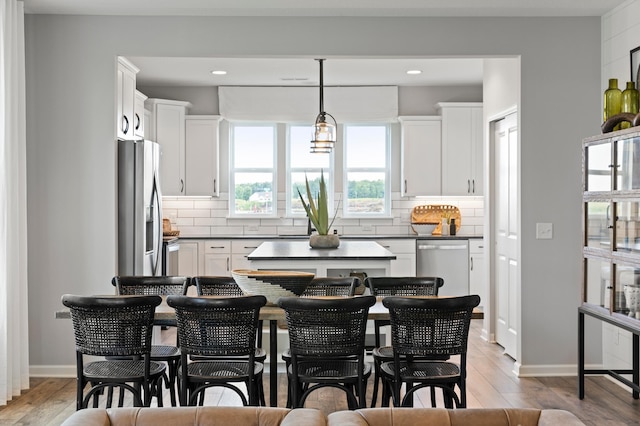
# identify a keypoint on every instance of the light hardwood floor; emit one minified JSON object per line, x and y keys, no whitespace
{"x":490,"y":383}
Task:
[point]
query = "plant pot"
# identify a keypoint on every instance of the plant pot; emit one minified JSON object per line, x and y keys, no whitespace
{"x":324,"y":241}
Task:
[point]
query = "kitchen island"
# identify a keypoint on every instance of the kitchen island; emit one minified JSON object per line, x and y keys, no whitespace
{"x":350,"y":256}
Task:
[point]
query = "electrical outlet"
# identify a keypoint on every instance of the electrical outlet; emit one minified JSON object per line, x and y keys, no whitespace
{"x":367,"y":228}
{"x":252,"y":228}
{"x":544,"y":231}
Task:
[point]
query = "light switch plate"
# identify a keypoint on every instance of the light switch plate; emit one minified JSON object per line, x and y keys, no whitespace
{"x":544,"y":231}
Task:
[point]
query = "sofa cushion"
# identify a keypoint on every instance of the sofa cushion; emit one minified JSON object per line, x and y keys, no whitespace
{"x":196,"y":416}
{"x":446,"y":417}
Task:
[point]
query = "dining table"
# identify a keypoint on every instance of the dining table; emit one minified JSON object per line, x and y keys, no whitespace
{"x":274,"y":314}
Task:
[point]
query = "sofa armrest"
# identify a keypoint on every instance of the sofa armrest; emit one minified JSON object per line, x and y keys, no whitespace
{"x":304,"y":416}
{"x":88,"y":416}
{"x":558,"y":417}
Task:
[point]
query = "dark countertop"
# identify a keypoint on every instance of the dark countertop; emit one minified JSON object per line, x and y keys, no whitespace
{"x":300,"y":250}
{"x":342,"y":237}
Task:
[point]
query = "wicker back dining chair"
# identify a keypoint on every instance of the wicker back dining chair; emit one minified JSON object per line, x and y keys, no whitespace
{"x":217,"y":286}
{"x":223,"y":332}
{"x":116,"y":327}
{"x":160,"y":286}
{"x":227,"y":286}
{"x":326,"y":340}
{"x":324,"y":286}
{"x":395,"y":286}
{"x":332,"y":286}
{"x":423,"y":328}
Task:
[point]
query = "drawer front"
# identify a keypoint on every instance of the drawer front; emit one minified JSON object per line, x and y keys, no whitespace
{"x":217,"y":247}
{"x":476,"y":246}
{"x":244,"y":246}
{"x":399,"y":246}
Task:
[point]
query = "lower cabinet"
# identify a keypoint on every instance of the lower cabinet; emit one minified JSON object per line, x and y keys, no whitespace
{"x":405,"y":250}
{"x":217,"y":258}
{"x":240,"y":249}
{"x":476,"y":270}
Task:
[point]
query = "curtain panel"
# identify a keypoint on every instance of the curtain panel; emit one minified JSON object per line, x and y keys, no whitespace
{"x":14,"y":330}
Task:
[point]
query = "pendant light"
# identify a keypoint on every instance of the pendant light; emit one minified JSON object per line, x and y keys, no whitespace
{"x":324,"y":133}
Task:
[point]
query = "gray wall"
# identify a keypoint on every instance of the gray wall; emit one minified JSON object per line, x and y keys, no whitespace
{"x":71,"y":148}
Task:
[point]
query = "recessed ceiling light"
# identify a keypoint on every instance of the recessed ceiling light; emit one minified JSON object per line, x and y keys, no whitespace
{"x":218,"y":72}
{"x":414,"y":72}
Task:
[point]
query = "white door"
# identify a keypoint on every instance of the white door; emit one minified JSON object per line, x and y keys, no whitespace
{"x":506,"y":234}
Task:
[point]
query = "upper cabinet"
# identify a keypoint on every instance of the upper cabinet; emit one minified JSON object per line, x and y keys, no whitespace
{"x":138,"y":115}
{"x":125,"y":99}
{"x":462,"y":155}
{"x":167,"y":127}
{"x":202,"y":156}
{"x":189,"y":162}
{"x":420,"y":155}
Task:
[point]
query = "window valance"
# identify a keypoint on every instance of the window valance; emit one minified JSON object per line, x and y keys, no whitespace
{"x":301,"y":104}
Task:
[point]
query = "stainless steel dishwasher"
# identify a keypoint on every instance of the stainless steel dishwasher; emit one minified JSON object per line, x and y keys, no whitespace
{"x":446,"y":258}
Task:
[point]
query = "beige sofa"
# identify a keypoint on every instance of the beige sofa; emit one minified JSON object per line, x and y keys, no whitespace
{"x":197,"y":416}
{"x":266,"y":416}
{"x":459,"y":417}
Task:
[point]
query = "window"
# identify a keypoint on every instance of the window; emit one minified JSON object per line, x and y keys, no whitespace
{"x":366,"y":171}
{"x":252,"y":170}
{"x":303,"y":163}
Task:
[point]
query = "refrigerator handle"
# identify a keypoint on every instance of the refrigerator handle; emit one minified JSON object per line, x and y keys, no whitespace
{"x":158,"y":225}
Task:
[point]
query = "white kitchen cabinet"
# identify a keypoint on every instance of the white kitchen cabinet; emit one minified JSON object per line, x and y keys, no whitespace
{"x":201,"y":155}
{"x":167,"y":127}
{"x":217,"y":258}
{"x":420,"y":155}
{"x":138,"y":114}
{"x":188,"y":259}
{"x":462,"y":156}
{"x":405,"y":250}
{"x":476,"y":270}
{"x":125,"y":98}
{"x":239,"y":251}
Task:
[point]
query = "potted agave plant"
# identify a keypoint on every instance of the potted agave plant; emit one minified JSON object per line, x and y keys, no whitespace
{"x":318,"y":214}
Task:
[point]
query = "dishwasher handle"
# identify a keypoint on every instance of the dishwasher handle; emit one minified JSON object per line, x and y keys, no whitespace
{"x":442,"y":246}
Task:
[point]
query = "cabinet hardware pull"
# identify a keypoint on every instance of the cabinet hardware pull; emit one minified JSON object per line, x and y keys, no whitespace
{"x":473,"y":185}
{"x":405,"y":186}
{"x":468,"y":186}
{"x":216,"y":247}
{"x":125,"y":124}
{"x":138,"y":121}
{"x":227,"y":263}
{"x":181,"y":185}
{"x":214,"y":186}
{"x":471,"y":261}
{"x":249,"y":247}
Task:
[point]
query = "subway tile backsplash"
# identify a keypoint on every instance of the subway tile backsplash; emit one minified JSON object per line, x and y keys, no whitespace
{"x":209,"y":217}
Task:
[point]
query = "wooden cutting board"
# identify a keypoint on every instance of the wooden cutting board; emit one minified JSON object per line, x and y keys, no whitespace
{"x":433,"y":213}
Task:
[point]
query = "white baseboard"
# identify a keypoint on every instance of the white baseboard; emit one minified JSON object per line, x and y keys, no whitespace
{"x":52,"y":371}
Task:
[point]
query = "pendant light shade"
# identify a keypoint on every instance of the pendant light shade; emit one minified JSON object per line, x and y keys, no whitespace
{"x":324,"y":132}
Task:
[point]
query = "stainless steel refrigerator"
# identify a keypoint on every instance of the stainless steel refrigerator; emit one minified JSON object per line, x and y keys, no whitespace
{"x":139,"y":208}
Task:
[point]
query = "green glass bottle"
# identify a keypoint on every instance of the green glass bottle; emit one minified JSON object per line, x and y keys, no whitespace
{"x":629,"y":102}
{"x":612,"y":100}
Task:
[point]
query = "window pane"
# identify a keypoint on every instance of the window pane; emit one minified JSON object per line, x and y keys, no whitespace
{"x":300,"y":143}
{"x":253,"y":146}
{"x":253,"y":193}
{"x":365,"y":192}
{"x":366,"y":146}
{"x":298,"y":182}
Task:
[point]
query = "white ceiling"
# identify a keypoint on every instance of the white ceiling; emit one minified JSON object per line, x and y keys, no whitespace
{"x":301,"y":71}
{"x":306,"y":71}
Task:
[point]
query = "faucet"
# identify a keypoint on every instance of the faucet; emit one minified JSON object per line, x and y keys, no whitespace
{"x":309,"y":228}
